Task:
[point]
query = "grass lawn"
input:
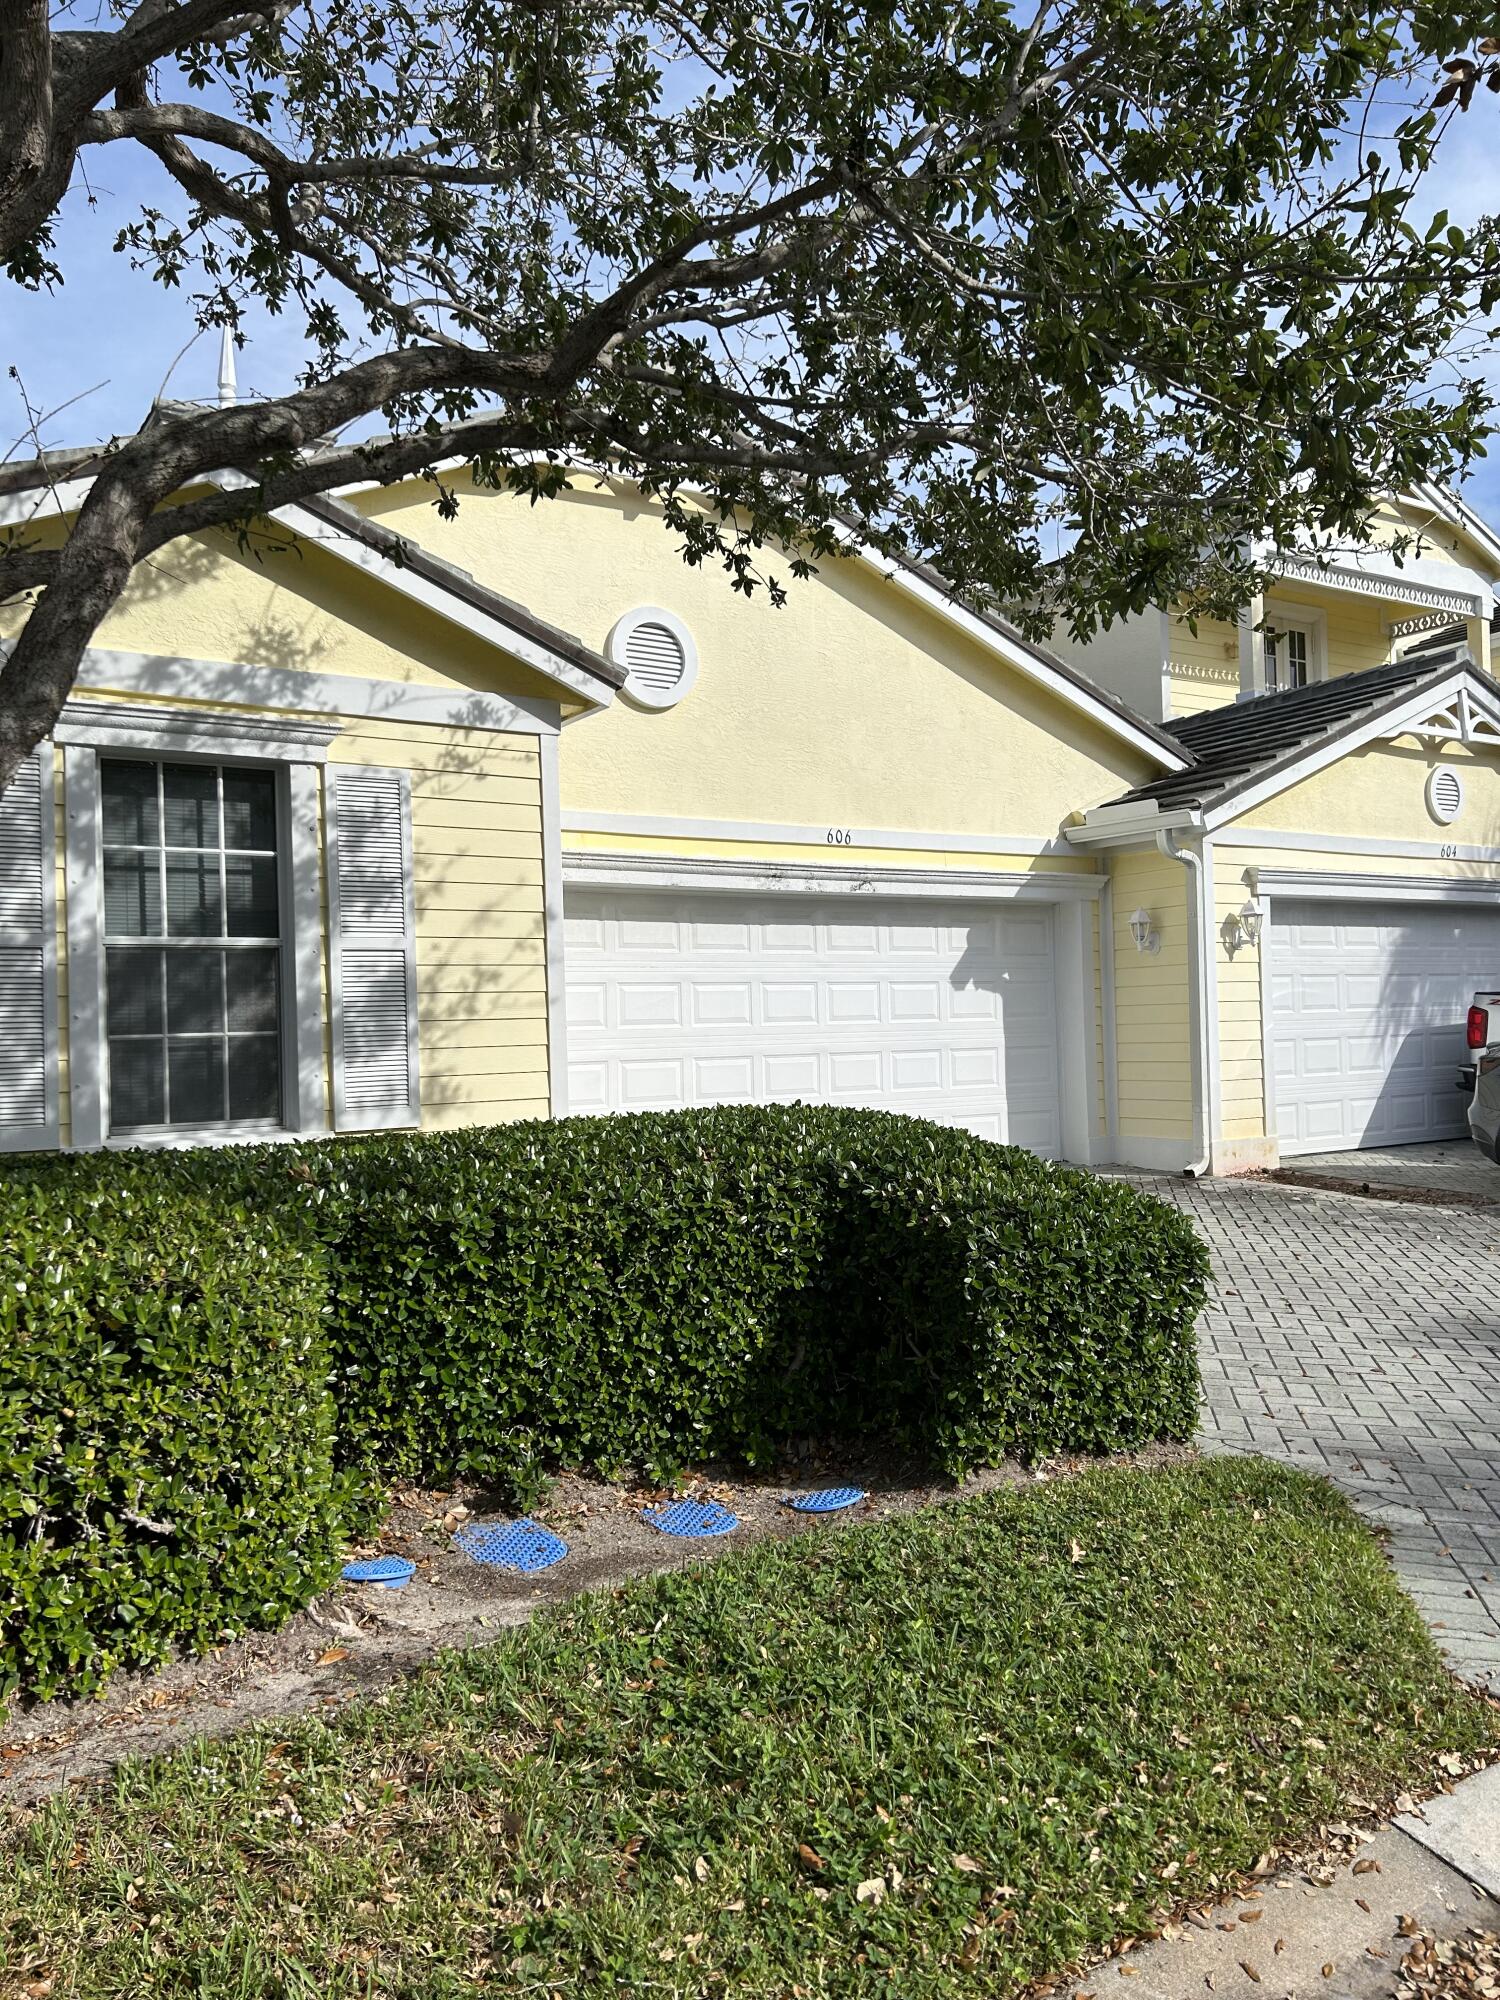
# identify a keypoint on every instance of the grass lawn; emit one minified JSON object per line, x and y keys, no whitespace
{"x":937,"y":1756}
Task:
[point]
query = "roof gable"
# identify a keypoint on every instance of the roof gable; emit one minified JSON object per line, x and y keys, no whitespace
{"x":1255,"y":748}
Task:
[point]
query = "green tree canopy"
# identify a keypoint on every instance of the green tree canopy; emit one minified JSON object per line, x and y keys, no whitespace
{"x":1069,"y":302}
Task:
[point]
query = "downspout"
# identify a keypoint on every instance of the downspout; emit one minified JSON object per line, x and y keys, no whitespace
{"x":1106,"y":922}
{"x":1198,"y":995}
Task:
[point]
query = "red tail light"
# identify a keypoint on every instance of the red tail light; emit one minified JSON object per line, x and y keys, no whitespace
{"x":1479,"y":1027}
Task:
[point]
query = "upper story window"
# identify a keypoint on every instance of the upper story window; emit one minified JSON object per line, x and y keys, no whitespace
{"x":192,"y":938}
{"x":1287,"y":652}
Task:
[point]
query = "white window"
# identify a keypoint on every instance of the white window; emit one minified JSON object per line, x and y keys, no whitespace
{"x":192,"y":944}
{"x":1288,"y":655}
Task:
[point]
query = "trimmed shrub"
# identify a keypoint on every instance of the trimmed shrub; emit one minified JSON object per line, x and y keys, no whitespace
{"x":662,"y":1288}
{"x":650,"y":1291}
{"x":166,"y":1432}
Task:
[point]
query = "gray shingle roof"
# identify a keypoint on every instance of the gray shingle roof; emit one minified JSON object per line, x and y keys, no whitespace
{"x":1245,"y":741}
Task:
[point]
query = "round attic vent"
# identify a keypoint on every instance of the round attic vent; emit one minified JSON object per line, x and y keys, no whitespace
{"x":1445,"y":794}
{"x":657,"y":652}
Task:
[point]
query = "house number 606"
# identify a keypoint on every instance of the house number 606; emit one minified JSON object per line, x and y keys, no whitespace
{"x":840,"y":836}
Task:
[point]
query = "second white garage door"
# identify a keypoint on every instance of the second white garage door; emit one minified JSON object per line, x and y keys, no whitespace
{"x":1368,"y":1007}
{"x":944,"y":1010}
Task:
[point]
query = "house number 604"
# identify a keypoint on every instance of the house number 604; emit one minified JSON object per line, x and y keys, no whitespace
{"x":840,"y":836}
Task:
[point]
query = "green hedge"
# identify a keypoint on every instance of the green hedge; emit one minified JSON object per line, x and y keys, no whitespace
{"x":647,"y":1291}
{"x":658,"y":1289}
{"x":166,"y":1436}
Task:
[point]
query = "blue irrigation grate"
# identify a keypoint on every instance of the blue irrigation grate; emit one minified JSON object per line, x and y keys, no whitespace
{"x":825,"y":1500}
{"x":522,"y":1545}
{"x":690,"y":1517}
{"x":395,"y":1572}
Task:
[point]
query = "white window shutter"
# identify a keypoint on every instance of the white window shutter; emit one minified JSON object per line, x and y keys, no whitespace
{"x":28,"y":960}
{"x":372,"y":948}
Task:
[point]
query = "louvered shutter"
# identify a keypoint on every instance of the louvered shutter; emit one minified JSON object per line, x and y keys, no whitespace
{"x":372,"y":950}
{"x":28,"y":963}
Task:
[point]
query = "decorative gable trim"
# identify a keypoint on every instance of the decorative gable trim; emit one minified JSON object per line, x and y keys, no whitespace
{"x":1467,"y":715}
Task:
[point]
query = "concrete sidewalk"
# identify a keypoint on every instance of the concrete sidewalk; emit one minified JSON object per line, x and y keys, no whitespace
{"x":1436,"y":1871}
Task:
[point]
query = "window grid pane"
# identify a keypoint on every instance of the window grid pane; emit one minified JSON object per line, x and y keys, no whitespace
{"x":192,"y":934}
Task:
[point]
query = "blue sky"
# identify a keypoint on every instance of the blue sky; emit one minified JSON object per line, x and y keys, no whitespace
{"x":111,"y":337}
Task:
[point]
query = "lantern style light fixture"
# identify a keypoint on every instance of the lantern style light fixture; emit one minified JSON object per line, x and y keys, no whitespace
{"x":1143,"y":933}
{"x":1242,"y":926}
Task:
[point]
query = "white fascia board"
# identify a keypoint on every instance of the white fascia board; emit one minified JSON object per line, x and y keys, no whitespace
{"x":1382,"y":723}
{"x":43,"y":503}
{"x":432,"y":597}
{"x":1374,"y":572}
{"x":1459,"y":514}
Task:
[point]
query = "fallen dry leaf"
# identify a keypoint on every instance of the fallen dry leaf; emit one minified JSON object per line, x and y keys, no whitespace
{"x":1363,"y":1904}
{"x":700,"y":1870}
{"x":809,"y":1856}
{"x":334,"y":1653}
{"x":967,"y":1865}
{"x":871,"y":1891}
{"x":1075,"y":1552}
{"x":1251,"y":1916}
{"x":1249,"y":1971}
{"x":1367,"y":1867}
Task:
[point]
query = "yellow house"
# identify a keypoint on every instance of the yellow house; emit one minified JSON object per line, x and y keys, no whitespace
{"x":1324,"y":880}
{"x":346,"y":829}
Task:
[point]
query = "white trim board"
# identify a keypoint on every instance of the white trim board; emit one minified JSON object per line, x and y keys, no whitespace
{"x":1311,"y":886}
{"x":1350,"y":843}
{"x":553,"y":924}
{"x":176,"y":677}
{"x":586,"y":869}
{"x":648,"y":825}
{"x":163,"y":731}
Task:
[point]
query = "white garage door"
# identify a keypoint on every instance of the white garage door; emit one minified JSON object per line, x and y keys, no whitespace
{"x":1368,"y":1005}
{"x":947,"y":1011}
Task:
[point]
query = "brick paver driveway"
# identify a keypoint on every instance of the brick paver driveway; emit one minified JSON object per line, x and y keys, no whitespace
{"x":1361,"y":1339}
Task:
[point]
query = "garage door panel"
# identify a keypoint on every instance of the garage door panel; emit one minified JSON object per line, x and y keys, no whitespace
{"x":1368,"y":1015}
{"x":943,"y":1011}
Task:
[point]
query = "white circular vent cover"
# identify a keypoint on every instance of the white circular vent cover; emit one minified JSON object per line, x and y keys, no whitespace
{"x":1445,"y":794}
{"x":657,"y":652}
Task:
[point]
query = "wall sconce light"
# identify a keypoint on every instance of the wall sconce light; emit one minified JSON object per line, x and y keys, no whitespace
{"x":1242,"y":926}
{"x":1143,"y":933}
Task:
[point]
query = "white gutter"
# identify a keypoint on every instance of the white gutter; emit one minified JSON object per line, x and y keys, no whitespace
{"x":1198,"y":996}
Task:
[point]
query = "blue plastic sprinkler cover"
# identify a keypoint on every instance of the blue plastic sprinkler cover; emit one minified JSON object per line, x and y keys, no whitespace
{"x":522,"y":1545}
{"x":826,"y":1500}
{"x":395,"y":1572}
{"x":691,"y":1517}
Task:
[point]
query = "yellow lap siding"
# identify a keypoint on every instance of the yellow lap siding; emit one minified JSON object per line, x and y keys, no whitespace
{"x":1152,"y":1046}
{"x":477,"y":877}
{"x":1203,"y":667}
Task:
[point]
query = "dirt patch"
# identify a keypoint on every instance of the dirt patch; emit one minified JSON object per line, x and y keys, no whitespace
{"x":1373,"y":1190}
{"x":360,"y":1637}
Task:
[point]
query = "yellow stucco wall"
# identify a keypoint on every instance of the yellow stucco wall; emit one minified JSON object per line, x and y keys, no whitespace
{"x":1379,"y":793}
{"x":1152,"y":1018}
{"x":851,"y":707}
